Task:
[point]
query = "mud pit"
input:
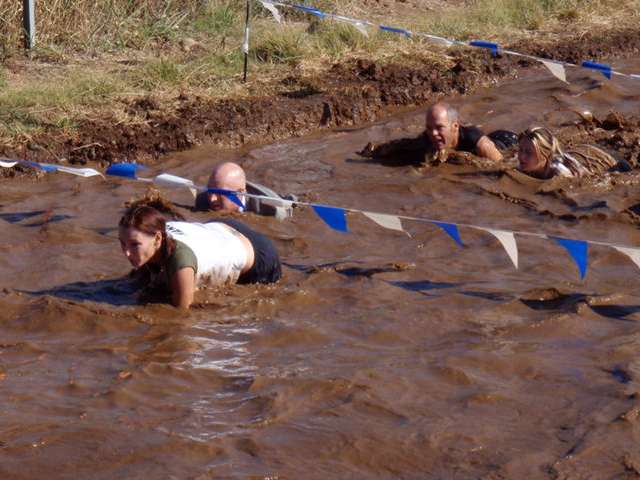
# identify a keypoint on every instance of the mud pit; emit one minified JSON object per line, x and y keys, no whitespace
{"x":378,"y":355}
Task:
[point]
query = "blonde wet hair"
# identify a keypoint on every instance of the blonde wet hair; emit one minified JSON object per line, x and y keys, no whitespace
{"x":546,"y":144}
{"x":580,"y":161}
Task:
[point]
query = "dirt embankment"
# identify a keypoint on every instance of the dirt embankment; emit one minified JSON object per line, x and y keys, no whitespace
{"x":349,"y":93}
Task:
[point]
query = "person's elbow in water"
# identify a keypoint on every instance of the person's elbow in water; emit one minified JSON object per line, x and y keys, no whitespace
{"x":487,"y":149}
{"x":183,"y":287}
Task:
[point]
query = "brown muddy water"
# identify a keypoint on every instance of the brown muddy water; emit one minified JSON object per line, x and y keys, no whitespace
{"x":379,"y":355}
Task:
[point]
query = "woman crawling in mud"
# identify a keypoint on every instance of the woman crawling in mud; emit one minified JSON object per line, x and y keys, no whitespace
{"x":540,"y":155}
{"x":179,"y":256}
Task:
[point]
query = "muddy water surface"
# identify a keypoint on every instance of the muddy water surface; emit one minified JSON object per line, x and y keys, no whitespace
{"x":378,"y":356}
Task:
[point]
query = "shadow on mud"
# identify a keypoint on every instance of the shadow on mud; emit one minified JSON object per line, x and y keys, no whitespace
{"x":423,"y":287}
{"x":350,"y":270}
{"x":48,"y":217}
{"x":553,"y":300}
{"x":616,"y":311}
{"x":117,"y":291}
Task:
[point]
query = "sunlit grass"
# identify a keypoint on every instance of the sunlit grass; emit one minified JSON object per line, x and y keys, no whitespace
{"x":500,"y":17}
{"x":220,"y":18}
{"x":286,"y":45}
{"x":335,"y":39}
{"x":159,"y":73}
{"x":34,"y":105}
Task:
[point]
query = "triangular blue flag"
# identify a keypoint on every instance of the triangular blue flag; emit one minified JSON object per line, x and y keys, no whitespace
{"x":401,"y":31}
{"x":484,"y":44}
{"x":127,"y":170}
{"x":230,"y":194}
{"x":579,"y":251}
{"x":600,"y":67}
{"x":46,"y":168}
{"x":452,"y":231}
{"x":311,"y":10}
{"x":332,"y":216}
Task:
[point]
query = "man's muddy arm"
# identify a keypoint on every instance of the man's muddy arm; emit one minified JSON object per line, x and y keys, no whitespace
{"x":487,"y":149}
{"x":404,"y":151}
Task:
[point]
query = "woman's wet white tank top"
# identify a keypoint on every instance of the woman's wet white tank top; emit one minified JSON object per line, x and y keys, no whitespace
{"x":220,"y":253}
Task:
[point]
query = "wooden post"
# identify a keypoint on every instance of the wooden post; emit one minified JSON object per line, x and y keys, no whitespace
{"x":245,"y":44}
{"x":29,"y":23}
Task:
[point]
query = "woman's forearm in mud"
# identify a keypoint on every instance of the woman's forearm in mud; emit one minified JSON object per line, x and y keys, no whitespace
{"x":183,"y":286}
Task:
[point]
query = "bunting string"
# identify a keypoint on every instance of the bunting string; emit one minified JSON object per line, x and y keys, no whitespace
{"x":556,"y":67}
{"x":335,"y":217}
{"x":48,"y":167}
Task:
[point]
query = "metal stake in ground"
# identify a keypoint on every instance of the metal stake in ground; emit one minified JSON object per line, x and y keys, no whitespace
{"x":29,"y":23}
{"x":245,"y":44}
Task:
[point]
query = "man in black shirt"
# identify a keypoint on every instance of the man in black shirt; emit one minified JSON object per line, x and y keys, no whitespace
{"x":444,"y":134}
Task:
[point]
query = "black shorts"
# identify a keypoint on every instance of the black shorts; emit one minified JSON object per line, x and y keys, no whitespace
{"x":266,"y":265}
{"x":503,"y":139}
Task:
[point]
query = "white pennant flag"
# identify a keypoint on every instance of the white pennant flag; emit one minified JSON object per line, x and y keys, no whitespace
{"x":172,"y":180}
{"x":358,"y":24}
{"x":276,"y":202}
{"x":169,"y":180}
{"x":439,"y":40}
{"x":556,"y":69}
{"x":386,"y":221}
{"x":274,"y":11}
{"x":245,"y":44}
{"x":508,"y":241}
{"x":81,"y":172}
{"x":362,"y":28}
{"x":632,"y":253}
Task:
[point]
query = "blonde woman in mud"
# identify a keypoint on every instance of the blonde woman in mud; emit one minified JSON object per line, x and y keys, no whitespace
{"x":178,"y":257}
{"x":540,"y":155}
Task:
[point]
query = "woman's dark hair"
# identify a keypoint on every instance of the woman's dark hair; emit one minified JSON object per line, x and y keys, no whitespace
{"x":150,"y":221}
{"x":153,"y":198}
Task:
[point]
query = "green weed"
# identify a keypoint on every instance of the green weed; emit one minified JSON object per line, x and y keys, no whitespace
{"x":220,"y":18}
{"x":207,"y":71}
{"x":337,"y":38}
{"x":159,"y":73}
{"x":283,"y":45}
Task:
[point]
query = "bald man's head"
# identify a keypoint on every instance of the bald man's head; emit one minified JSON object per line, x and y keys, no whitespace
{"x":227,"y":176}
{"x":442,"y":126}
